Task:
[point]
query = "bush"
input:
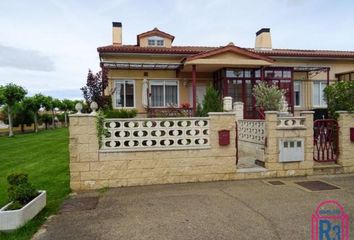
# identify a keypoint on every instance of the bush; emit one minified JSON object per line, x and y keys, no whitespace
{"x":268,"y":97}
{"x":20,"y":191}
{"x":121,"y":113}
{"x":211,"y":102}
{"x":340,"y":96}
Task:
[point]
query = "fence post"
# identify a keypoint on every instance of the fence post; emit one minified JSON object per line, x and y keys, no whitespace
{"x":83,"y":147}
{"x":346,"y":147}
{"x":238,"y":109}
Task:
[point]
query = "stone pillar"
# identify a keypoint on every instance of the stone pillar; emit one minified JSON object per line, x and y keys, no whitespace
{"x":308,"y":163}
{"x":238,"y":109}
{"x":227,"y":104}
{"x":346,"y":147}
{"x":83,"y":147}
{"x":223,"y":121}
{"x":271,"y":149}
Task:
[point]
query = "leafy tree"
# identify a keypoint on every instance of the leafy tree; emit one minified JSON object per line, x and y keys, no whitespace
{"x":94,"y":89}
{"x":67,"y":106}
{"x":211,"y":102}
{"x":10,"y":95}
{"x":268,"y":97}
{"x":46,"y":119}
{"x":33,"y":104}
{"x":340,"y":96}
{"x":22,"y":116}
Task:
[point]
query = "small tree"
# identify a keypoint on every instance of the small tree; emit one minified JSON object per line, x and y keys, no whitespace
{"x":94,"y":89}
{"x":67,"y":105}
{"x":268,"y":97}
{"x":10,"y":95}
{"x":340,"y":96}
{"x":33,"y":104}
{"x":211,"y":102}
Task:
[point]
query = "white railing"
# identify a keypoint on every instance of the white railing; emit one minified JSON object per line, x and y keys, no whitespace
{"x":251,"y":131}
{"x":291,"y":123}
{"x":146,"y":134}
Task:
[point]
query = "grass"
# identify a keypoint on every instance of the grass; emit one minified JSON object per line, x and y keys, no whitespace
{"x":45,"y":158}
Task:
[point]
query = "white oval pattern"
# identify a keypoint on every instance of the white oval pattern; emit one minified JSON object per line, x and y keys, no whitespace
{"x":147,"y":134}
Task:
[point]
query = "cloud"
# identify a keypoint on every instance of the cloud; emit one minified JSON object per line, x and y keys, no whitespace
{"x":24,"y":59}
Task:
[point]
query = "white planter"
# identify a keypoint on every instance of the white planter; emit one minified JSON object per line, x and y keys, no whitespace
{"x":13,"y":219}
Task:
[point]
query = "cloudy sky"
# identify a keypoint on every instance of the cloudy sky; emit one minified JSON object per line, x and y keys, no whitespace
{"x":48,"y":45}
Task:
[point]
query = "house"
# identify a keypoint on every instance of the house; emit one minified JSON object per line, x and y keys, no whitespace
{"x":154,"y":75}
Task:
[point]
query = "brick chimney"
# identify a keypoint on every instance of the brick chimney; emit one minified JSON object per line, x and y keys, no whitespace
{"x":116,"y":33}
{"x":263,"y":39}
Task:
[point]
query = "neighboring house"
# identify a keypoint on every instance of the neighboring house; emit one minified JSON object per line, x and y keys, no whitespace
{"x":174,"y":75}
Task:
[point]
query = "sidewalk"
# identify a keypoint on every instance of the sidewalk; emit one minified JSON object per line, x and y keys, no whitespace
{"x":249,"y":209}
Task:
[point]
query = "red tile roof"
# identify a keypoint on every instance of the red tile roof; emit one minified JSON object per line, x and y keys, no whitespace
{"x":229,"y":48}
{"x":190,"y":50}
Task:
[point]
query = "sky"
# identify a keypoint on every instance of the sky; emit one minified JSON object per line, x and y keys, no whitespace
{"x":48,"y":46}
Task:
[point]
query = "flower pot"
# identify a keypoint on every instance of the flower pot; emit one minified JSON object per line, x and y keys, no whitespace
{"x":13,"y":219}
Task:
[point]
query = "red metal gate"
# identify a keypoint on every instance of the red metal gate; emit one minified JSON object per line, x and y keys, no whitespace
{"x":325,"y":140}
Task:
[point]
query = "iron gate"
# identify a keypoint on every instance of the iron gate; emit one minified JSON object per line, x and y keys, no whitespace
{"x":325,"y":140}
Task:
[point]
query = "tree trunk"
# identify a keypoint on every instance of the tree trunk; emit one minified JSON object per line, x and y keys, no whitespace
{"x":10,"y":122}
{"x":66,"y":119}
{"x":46,"y":125}
{"x":35,"y":122}
{"x":22,"y":127}
{"x":53,"y":122}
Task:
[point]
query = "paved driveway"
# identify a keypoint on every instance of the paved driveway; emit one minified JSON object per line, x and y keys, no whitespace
{"x":249,"y":209}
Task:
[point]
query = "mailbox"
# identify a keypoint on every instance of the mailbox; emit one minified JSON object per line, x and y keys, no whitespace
{"x":352,"y":134}
{"x":224,"y":137}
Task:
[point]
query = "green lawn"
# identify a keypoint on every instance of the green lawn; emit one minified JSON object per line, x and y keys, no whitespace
{"x":45,"y":157}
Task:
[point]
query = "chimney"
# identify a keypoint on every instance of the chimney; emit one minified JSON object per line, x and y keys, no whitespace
{"x":117,"y":33}
{"x":263,"y":39}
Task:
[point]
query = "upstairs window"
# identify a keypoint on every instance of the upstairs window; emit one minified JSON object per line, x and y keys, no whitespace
{"x":156,"y":41}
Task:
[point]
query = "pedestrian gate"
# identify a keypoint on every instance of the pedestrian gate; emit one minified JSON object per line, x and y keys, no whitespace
{"x":325,"y":140}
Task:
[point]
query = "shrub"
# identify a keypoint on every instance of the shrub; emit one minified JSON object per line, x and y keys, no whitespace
{"x":20,"y":191}
{"x":211,"y":102}
{"x":340,"y":96}
{"x":268,"y":97}
{"x":121,"y":113}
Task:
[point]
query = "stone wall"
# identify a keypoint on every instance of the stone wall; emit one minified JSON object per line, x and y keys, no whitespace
{"x":346,"y":147}
{"x":91,"y":168}
{"x":275,"y":132}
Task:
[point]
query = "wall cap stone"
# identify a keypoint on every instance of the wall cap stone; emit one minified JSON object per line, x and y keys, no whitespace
{"x":342,"y":112}
{"x":82,"y":115}
{"x":270,"y":112}
{"x":307,"y":112}
{"x":221,"y":113}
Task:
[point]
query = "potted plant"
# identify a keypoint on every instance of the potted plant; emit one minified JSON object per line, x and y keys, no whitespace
{"x":25,"y":202}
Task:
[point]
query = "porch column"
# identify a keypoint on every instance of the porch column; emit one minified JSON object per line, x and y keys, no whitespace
{"x":194,"y":88}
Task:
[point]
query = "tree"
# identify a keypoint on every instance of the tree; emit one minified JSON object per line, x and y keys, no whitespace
{"x":67,"y":105}
{"x":33,"y":104}
{"x":340,"y":96}
{"x":211,"y":102}
{"x":10,"y":95}
{"x":268,"y":97}
{"x":94,"y":89}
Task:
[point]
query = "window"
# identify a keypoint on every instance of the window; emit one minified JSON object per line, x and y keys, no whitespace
{"x":164,"y":93}
{"x":124,"y":93}
{"x":318,"y":96}
{"x":297,"y":93}
{"x":156,"y":41}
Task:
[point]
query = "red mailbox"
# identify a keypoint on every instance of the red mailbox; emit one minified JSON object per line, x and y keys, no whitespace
{"x":352,"y":134}
{"x":224,"y":137}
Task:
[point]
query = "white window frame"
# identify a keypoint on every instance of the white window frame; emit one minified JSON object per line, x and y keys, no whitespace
{"x":155,"y":39}
{"x":115,"y":94}
{"x":323,"y":103}
{"x":300,"y":93}
{"x":164,"y":91}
